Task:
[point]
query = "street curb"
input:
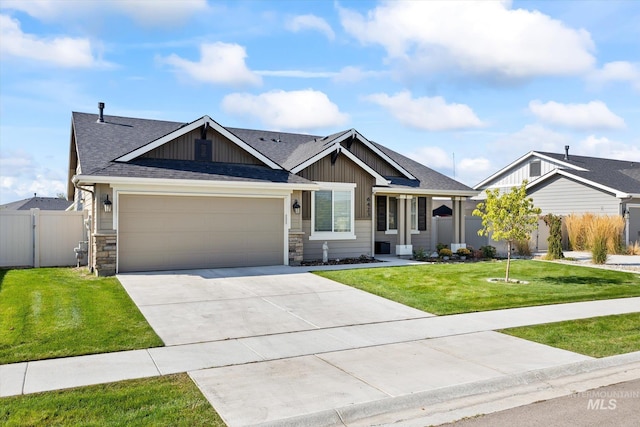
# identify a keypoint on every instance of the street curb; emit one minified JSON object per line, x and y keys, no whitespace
{"x":361,"y":411}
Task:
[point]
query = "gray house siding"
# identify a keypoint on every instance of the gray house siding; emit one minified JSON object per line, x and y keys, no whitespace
{"x":563,"y":196}
{"x":339,"y":248}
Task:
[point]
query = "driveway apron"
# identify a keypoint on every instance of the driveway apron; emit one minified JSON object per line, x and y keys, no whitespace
{"x":269,"y":344}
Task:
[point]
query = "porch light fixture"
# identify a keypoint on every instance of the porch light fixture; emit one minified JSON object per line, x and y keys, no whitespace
{"x":107,"y":204}
{"x":296,"y":207}
{"x":626,"y":214}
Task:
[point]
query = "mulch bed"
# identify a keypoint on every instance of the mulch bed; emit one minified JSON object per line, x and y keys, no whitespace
{"x":340,"y":261}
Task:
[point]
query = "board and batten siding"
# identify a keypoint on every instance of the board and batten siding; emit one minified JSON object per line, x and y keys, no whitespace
{"x":563,"y":196}
{"x":343,"y":170}
{"x":515,"y":176}
{"x":339,"y":248}
{"x":183,"y":148}
{"x":368,"y":156}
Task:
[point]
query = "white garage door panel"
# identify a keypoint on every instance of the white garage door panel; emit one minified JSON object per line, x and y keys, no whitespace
{"x":175,"y":232}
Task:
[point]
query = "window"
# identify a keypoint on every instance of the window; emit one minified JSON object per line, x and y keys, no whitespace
{"x":534,"y":168}
{"x":333,"y":212}
{"x":414,"y":214}
{"x":387,"y":214}
{"x":392,"y":216}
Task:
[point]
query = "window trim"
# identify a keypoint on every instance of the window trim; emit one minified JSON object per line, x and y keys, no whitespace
{"x":414,"y":214}
{"x":333,"y":235}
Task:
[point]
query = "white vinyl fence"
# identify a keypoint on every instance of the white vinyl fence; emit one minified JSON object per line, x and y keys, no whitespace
{"x":38,"y":238}
{"x":443,"y":230}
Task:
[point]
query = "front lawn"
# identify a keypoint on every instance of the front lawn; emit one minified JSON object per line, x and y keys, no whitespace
{"x":57,"y":312}
{"x":162,"y":401}
{"x":462,"y":287}
{"x":595,"y":337}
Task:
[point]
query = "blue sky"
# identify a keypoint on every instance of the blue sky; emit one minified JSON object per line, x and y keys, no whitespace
{"x":479,"y":82}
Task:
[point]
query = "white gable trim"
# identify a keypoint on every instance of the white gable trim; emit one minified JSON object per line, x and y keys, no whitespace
{"x":485,"y":183}
{"x":192,"y":126}
{"x":380,"y":180}
{"x":376,"y":150}
{"x":567,"y":174}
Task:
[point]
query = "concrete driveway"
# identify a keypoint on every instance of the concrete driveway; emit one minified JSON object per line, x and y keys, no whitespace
{"x":318,"y":347}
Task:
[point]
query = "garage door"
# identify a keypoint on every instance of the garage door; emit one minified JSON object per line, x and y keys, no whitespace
{"x":184,"y":232}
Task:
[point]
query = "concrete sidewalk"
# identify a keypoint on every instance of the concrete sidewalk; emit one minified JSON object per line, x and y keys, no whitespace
{"x":323,"y":370}
{"x":279,"y":346}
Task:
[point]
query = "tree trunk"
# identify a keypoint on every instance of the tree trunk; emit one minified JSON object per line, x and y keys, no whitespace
{"x":506,"y":279}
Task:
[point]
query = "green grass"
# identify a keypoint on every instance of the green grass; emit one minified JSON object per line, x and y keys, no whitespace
{"x":163,"y":401}
{"x":462,"y":287}
{"x":595,"y":337}
{"x":57,"y":312}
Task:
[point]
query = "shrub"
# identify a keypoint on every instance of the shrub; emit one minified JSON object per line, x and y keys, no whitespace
{"x":634,"y":249}
{"x":441,"y":246}
{"x":419,"y":254}
{"x":554,"y":222}
{"x":445,"y":252}
{"x":599,"y":250}
{"x":463,"y":252}
{"x":523,"y":248}
{"x":488,"y":251}
{"x":582,"y":229}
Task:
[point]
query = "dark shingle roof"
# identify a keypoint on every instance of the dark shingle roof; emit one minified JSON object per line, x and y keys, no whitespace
{"x":99,"y":144}
{"x":42,"y":203}
{"x":620,"y":175}
{"x":185,"y":169}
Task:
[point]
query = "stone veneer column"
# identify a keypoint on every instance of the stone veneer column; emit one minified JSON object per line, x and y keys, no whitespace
{"x":104,"y":254}
{"x":296,"y":247}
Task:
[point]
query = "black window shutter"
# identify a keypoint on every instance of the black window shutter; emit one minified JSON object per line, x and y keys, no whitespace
{"x":381,"y":212}
{"x":422,"y":213}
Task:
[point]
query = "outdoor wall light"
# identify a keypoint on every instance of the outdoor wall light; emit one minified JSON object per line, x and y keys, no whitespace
{"x":626,"y":214}
{"x":107,"y":204}
{"x":296,"y":207}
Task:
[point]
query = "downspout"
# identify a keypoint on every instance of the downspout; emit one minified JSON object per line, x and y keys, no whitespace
{"x":91,"y":217}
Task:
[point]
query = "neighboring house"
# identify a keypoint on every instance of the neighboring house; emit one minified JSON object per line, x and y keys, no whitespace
{"x":565,"y":184}
{"x":166,"y":195}
{"x":35,"y":202}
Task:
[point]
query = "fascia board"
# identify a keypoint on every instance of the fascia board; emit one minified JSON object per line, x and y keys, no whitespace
{"x":424,"y":191}
{"x":120,"y":180}
{"x":483,"y":183}
{"x":190,"y":127}
{"x":376,"y":150}
{"x":380,"y":180}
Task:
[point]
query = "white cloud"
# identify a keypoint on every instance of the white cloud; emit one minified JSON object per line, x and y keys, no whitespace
{"x":433,"y":157}
{"x":310,"y":22}
{"x":298,"y":110}
{"x":297,"y":74}
{"x":22,"y":176}
{"x":468,"y":170}
{"x":484,"y":38}
{"x":152,"y":13}
{"x":593,"y":115}
{"x":220,"y":63}
{"x":509,"y":147}
{"x":427,"y":113}
{"x":352,"y":74}
{"x":606,"y":148}
{"x":59,"y":51}
{"x":617,"y":71}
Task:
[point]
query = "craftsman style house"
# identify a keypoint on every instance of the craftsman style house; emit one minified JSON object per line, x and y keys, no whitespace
{"x":167,"y":195}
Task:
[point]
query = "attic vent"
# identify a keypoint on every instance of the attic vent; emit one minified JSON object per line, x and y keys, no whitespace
{"x":262,"y":139}
{"x":203,"y":150}
{"x":276,"y":139}
{"x":566,"y":153}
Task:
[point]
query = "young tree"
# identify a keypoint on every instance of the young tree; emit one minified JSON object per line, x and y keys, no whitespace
{"x":510,"y":216}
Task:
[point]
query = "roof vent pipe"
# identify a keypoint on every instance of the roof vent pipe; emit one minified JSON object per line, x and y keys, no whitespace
{"x":566,"y":153}
{"x":101,"y":108}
